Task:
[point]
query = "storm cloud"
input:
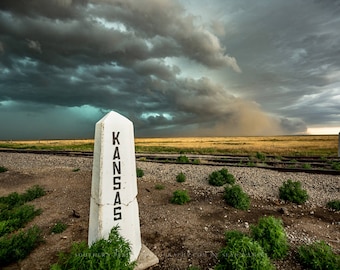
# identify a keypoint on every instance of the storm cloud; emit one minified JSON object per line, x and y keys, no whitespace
{"x":175,"y":68}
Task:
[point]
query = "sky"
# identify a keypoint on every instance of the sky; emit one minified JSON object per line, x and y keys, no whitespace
{"x":173,"y":67}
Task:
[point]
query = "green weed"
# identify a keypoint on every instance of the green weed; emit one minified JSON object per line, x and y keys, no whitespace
{"x":242,"y":253}
{"x":58,"y":227}
{"x":221,"y":177}
{"x":3,"y":169}
{"x":18,"y":246}
{"x":159,"y":186}
{"x":270,"y":234}
{"x":113,"y":254}
{"x":292,"y":191}
{"x":317,"y":256}
{"x":139,"y":172}
{"x":335,"y":205}
{"x":181,"y":177}
{"x":236,"y":197}
{"x":180,"y":197}
{"x":183,"y":159}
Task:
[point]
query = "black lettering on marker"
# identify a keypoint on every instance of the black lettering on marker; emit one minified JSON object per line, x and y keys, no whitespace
{"x":115,"y":138}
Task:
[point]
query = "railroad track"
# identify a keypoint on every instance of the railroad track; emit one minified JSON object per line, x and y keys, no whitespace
{"x":312,"y":164}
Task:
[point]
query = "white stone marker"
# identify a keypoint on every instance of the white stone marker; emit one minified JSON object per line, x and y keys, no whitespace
{"x":114,"y":183}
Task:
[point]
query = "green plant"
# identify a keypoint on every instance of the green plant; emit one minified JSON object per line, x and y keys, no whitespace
{"x":236,"y":197}
{"x":220,"y":178}
{"x":180,"y":197}
{"x":270,"y":234}
{"x":196,"y":161}
{"x":336,"y":166}
{"x":58,"y":227}
{"x":306,"y":166}
{"x":318,"y":255}
{"x":159,"y":186}
{"x":139,"y":172}
{"x":3,"y":169}
{"x":292,"y":191}
{"x":335,"y":205}
{"x":261,"y":156}
{"x":113,"y":254}
{"x":250,"y":164}
{"x":76,"y":170}
{"x":15,"y":218}
{"x":14,"y":199}
{"x":18,"y":246}
{"x":181,"y":177}
{"x":183,"y":159}
{"x":242,"y":253}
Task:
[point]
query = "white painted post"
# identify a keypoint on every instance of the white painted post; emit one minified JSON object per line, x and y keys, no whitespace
{"x":339,"y":145}
{"x":114,"y":183}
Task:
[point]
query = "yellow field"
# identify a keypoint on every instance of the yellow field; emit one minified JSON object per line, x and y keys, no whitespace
{"x":276,"y":145}
{"x":323,"y":145}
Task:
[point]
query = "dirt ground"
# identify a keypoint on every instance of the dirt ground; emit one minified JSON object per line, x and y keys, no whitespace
{"x":180,"y":235}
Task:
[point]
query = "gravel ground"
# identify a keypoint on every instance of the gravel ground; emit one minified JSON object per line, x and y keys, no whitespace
{"x":258,"y":183}
{"x":165,"y":227}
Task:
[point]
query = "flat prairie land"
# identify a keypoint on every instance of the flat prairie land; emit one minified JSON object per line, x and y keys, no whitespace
{"x":307,"y":145}
{"x":325,"y":145}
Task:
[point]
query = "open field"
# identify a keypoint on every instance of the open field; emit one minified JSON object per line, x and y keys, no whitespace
{"x":316,"y":145}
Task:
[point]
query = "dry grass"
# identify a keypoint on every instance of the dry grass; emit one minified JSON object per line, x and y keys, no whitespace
{"x":322,"y":145}
{"x":277,"y":145}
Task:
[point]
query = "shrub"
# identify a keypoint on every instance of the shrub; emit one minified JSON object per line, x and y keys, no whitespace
{"x":270,"y":234}
{"x":221,"y":177}
{"x":292,"y":191}
{"x":3,"y":169}
{"x":183,"y":159}
{"x":58,"y":227}
{"x":139,"y":172}
{"x":33,"y":193}
{"x":18,"y":246}
{"x":235,"y":197}
{"x":335,"y":205}
{"x":181,"y":177}
{"x":242,"y":253}
{"x":113,"y":253}
{"x":180,"y":197}
{"x":318,"y":255}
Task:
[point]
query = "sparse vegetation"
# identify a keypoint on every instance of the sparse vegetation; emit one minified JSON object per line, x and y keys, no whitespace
{"x":76,"y":170}
{"x":139,"y":172}
{"x":3,"y":169}
{"x":159,"y":186}
{"x":292,"y":192}
{"x":181,"y":177}
{"x":270,"y":234}
{"x":183,"y":159}
{"x":180,"y":197}
{"x":335,"y":205}
{"x":236,"y":197}
{"x":15,"y":214}
{"x":306,"y":166}
{"x":317,"y":256}
{"x":17,"y":246}
{"x":336,"y":166}
{"x":113,"y":253}
{"x":221,"y":177}
{"x":242,"y":253}
{"x":261,"y":156}
{"x":58,"y":227}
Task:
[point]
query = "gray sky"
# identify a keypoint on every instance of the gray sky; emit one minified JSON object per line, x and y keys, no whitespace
{"x":175,"y":68}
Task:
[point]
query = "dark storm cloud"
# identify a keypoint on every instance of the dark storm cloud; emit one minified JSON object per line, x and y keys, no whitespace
{"x":63,"y":58}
